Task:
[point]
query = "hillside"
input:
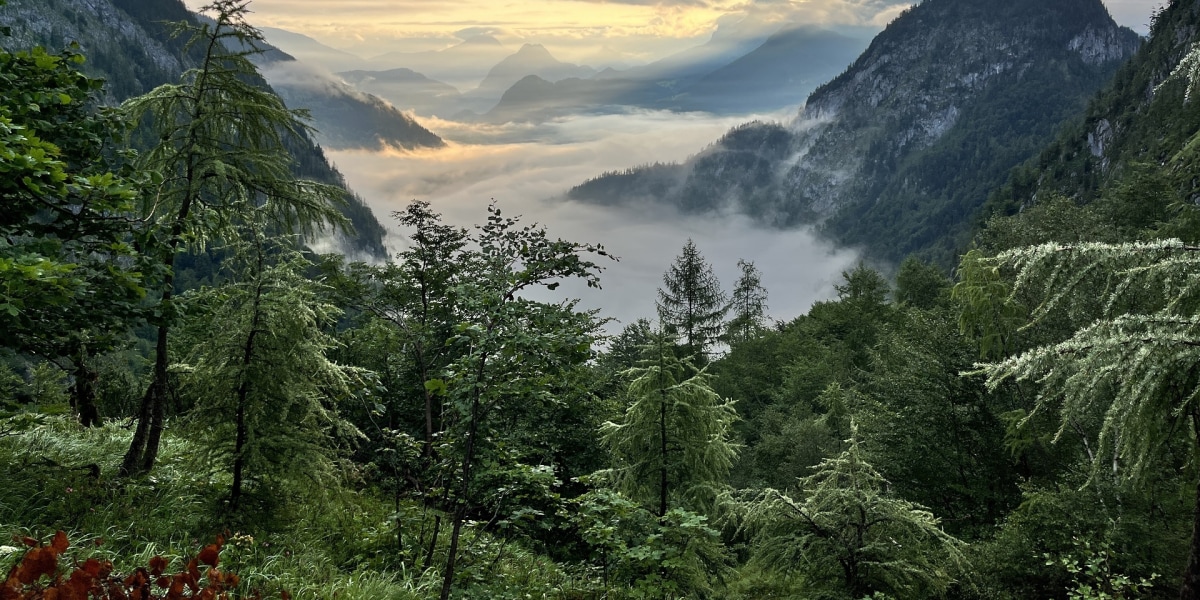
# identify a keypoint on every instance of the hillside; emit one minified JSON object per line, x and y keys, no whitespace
{"x":898,"y":152}
{"x":1144,"y":117}
{"x":127,"y":43}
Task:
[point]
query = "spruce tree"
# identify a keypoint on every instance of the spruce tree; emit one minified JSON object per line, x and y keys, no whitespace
{"x":749,"y":305}
{"x":691,"y":303}
{"x":220,"y":153}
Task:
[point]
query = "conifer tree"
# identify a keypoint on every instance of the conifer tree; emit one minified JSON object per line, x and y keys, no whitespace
{"x":749,"y":305}
{"x":1130,"y":364}
{"x":220,"y":152}
{"x":844,"y":530}
{"x":691,"y":303}
{"x":673,"y":446}
{"x":257,"y":371}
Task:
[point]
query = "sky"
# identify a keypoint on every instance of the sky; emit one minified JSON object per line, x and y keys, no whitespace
{"x":639,"y":29}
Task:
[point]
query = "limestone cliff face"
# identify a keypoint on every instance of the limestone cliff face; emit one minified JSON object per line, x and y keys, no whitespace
{"x":117,"y":46}
{"x":1147,"y":117}
{"x":898,"y":152}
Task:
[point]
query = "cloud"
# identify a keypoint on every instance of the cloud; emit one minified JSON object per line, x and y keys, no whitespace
{"x":526,"y":169}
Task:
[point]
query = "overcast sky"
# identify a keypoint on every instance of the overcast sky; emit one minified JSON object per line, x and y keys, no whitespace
{"x":644,"y":29}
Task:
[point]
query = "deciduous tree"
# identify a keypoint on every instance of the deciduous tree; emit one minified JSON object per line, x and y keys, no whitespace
{"x":220,"y":152}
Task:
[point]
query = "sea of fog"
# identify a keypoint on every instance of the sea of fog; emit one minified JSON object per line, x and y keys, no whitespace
{"x":527,"y":168}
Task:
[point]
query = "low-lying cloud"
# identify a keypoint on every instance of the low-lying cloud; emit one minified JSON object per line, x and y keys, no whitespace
{"x":525,"y":169}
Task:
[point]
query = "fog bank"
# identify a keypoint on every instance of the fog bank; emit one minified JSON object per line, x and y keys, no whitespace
{"x":525,"y":169}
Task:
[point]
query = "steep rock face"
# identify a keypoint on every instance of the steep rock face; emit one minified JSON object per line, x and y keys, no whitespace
{"x":1147,"y":117}
{"x":116,"y":46}
{"x":898,"y":152}
{"x":951,"y":96}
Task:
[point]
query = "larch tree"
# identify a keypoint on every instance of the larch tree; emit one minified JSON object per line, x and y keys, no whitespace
{"x":691,"y":303}
{"x":673,"y":446}
{"x":220,"y":152}
{"x":263,"y":389}
{"x":845,"y":532}
{"x":1131,"y":365}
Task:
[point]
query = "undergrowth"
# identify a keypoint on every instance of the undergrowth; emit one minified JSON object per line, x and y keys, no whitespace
{"x":319,"y":540}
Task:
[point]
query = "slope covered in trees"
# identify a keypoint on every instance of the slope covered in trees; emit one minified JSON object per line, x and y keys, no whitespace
{"x":424,"y":428}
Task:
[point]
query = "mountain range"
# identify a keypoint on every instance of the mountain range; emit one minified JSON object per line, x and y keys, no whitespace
{"x":743,"y":68}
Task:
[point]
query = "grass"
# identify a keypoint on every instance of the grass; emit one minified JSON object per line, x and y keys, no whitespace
{"x":315,"y":541}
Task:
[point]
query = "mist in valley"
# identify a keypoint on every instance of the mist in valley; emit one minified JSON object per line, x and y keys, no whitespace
{"x":526,"y":169}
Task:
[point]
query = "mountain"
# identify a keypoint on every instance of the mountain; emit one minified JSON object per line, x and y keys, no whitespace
{"x":407,"y":88}
{"x":1143,"y":131}
{"x":777,"y":72}
{"x":788,"y":66}
{"x":462,"y":65}
{"x":128,"y":43}
{"x":310,"y":51}
{"x":344,"y":117}
{"x":531,"y":59}
{"x":898,"y":153}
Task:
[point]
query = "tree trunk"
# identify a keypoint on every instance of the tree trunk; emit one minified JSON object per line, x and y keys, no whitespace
{"x":243,"y":394}
{"x":83,"y":392}
{"x":1191,"y":575}
{"x":662,"y":469}
{"x":143,"y":448}
{"x":460,"y":507}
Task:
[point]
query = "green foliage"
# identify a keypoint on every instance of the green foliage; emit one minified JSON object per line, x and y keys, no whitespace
{"x":672,"y":448}
{"x":676,"y":556}
{"x":256,"y":373}
{"x":749,"y":305}
{"x":68,"y":273}
{"x":1093,"y":576}
{"x":692,"y":305}
{"x":222,"y":160}
{"x":920,"y":285}
{"x":849,"y":537}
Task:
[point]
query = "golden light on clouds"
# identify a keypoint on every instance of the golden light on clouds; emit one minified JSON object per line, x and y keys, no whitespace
{"x":632,"y":26}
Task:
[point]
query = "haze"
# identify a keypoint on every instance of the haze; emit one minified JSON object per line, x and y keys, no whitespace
{"x":526,"y":167}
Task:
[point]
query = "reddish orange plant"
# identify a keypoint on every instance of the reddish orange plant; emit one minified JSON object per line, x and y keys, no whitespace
{"x":37,"y":577}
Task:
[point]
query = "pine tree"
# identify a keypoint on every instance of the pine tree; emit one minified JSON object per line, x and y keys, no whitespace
{"x":221,"y":152}
{"x":692,"y":305}
{"x":749,"y":305}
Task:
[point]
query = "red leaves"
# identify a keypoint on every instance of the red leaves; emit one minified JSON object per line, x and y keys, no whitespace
{"x":93,"y":580}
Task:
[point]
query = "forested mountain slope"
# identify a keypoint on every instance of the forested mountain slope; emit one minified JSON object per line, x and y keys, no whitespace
{"x":1143,"y":122}
{"x":127,"y":43}
{"x":897,"y":153}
